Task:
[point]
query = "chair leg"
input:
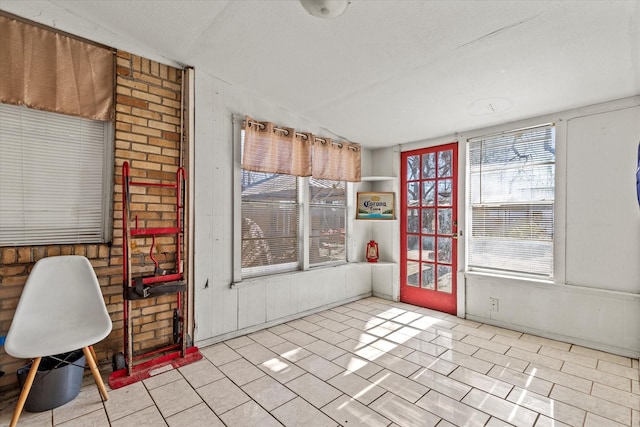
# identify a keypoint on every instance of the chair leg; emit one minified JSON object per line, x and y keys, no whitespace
{"x":93,"y":353}
{"x":95,"y":372}
{"x":25,"y":391}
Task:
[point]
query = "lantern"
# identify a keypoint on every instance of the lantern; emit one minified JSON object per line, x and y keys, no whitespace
{"x":372,"y":251}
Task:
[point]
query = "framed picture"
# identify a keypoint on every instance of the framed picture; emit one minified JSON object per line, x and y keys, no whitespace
{"x":372,"y":205}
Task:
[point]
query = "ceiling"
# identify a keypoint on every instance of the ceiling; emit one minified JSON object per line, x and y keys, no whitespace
{"x":385,"y":72}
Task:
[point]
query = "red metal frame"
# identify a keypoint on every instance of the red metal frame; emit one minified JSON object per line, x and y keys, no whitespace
{"x":132,"y":373}
{"x":432,"y":299}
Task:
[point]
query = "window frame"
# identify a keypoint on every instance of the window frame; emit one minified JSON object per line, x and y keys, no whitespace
{"x":304,"y":227}
{"x":107,"y":158}
{"x":555,"y":204}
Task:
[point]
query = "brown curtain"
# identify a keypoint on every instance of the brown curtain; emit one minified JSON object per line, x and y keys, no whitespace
{"x":46,"y":70}
{"x":268,"y":148}
{"x":338,"y":161}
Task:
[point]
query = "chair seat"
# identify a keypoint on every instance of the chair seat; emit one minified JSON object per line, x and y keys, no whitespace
{"x":61,"y":309}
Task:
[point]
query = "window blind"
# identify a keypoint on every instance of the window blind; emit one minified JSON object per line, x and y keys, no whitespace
{"x":327,"y":211}
{"x":511,"y":199}
{"x":53,"y":178}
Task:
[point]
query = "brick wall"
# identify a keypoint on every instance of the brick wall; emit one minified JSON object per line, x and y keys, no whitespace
{"x":147,"y":134}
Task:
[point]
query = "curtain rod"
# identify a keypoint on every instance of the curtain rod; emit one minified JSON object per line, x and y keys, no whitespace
{"x":302,"y":135}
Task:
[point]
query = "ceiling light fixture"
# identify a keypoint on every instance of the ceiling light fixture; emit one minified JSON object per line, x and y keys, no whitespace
{"x":325,"y":8}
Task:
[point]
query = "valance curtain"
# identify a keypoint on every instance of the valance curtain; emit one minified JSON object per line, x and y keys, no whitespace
{"x":268,"y":148}
{"x":49,"y":71}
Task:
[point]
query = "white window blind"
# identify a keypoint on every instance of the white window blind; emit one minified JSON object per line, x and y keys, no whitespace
{"x":54,"y":178}
{"x":327,"y":211}
{"x":511,"y":200}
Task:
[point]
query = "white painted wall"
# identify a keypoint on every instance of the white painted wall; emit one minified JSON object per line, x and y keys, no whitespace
{"x":594,"y":299}
{"x":222,"y":310}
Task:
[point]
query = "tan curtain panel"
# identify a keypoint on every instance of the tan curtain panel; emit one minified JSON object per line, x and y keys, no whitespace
{"x":49,"y":71}
{"x":339,"y":161}
{"x":268,"y":148}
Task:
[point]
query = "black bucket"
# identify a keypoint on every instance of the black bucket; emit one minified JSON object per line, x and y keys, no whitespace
{"x":57,"y":381}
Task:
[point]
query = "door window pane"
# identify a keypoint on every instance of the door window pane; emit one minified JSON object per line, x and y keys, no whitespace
{"x":445,"y":279}
{"x":428,"y":196}
{"x":444,"y":192}
{"x":413,"y":193}
{"x":445,"y":222}
{"x":444,"y":163}
{"x":413,"y":223}
{"x":428,"y":280}
{"x":429,"y":165}
{"x":428,"y":248}
{"x":413,"y":247}
{"x":413,"y":168}
{"x":444,"y":250}
{"x":412,"y":273}
{"x":428,"y":221}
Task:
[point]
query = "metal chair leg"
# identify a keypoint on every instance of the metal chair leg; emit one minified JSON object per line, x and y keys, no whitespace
{"x":25,"y":390}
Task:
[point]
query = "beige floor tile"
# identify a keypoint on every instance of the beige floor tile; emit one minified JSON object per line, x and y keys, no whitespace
{"x":92,"y":419}
{"x":201,"y":373}
{"x":532,"y":347}
{"x":597,"y":421}
{"x":319,"y":366}
{"x":313,"y":390}
{"x":599,"y":377}
{"x":314,"y":318}
{"x":256,"y":353}
{"x":501,"y":360}
{"x":334,"y":315}
{"x":459,"y":346}
{"x":356,"y":387}
{"x":400,"y":366}
{"x":462,"y":321}
{"x":163,"y":378}
{"x":349,"y":412}
{"x":304,"y":326}
{"x":87,"y":401}
{"x":249,"y":414}
{"x":535,"y":358}
{"x":328,"y":336}
{"x":149,"y":417}
{"x":442,"y":328}
{"x":614,"y":368}
{"x":268,"y":392}
{"x":544,"y":421}
{"x":405,"y":388}
{"x":519,"y":379}
{"x":402,"y":412}
{"x":545,"y":341}
{"x":324,"y":349}
{"x":429,"y":322}
{"x":358,"y":335}
{"x":467,"y":361}
{"x":298,"y":337}
{"x":281,"y":369}
{"x":480,"y":381}
{"x":417,"y":344}
{"x":476,"y":332}
{"x":558,"y":377}
{"x":280,"y":329}
{"x":290,"y":351}
{"x":393,"y":348}
{"x":451,"y":410}
{"x":29,"y":419}
{"x":567,"y":356}
{"x":297,"y":413}
{"x":241,"y":371}
{"x":493,"y":346}
{"x":174,"y":397}
{"x":407,"y":317}
{"x":500,"y":331}
{"x":501,"y":409}
{"x":362,"y":367}
{"x":615,"y":395}
{"x":198,"y":416}
{"x":551,"y":408}
{"x":353,"y":346}
{"x":267,"y":338}
{"x":127,"y":400}
{"x":332,"y":325}
{"x":222,"y":396}
{"x":238,"y":342}
{"x":597,"y":354}
{"x":219,"y":354}
{"x":592,"y":404}
{"x":441,"y":383}
{"x":495,"y":422}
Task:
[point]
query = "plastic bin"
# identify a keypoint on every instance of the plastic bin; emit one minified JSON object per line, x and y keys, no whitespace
{"x":57,"y":381}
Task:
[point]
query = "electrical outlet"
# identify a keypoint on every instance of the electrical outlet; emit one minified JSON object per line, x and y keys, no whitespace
{"x":493,"y":304}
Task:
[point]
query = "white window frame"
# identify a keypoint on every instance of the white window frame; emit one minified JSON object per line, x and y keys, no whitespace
{"x":303,"y":263}
{"x":52,"y":190}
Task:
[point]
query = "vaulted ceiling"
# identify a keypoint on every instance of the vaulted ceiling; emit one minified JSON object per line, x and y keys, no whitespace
{"x":385,"y":72}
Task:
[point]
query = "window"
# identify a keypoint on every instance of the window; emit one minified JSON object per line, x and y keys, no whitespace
{"x":276,"y":211}
{"x":55,"y":178}
{"x":511,"y":201}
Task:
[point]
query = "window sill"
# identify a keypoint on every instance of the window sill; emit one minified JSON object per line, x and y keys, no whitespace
{"x":515,"y":277}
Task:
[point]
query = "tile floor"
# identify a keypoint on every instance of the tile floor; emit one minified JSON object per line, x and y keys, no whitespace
{"x":372,"y":363}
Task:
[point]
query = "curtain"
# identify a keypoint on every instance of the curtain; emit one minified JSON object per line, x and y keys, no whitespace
{"x":50,"y":71}
{"x":338,"y":161}
{"x":268,"y":148}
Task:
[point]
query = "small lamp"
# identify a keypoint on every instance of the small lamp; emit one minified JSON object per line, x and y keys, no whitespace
{"x":325,"y":8}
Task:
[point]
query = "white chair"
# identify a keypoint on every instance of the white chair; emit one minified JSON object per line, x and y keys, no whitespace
{"x":61,"y":309}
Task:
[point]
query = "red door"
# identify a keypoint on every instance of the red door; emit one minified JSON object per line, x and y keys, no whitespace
{"x":429,"y":226}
